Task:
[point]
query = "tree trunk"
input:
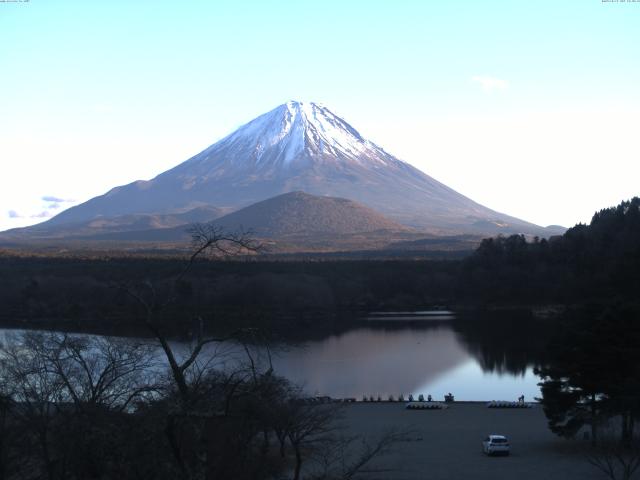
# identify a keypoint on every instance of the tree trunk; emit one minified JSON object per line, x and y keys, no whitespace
{"x":265,"y":442}
{"x":296,"y":474}
{"x":627,"y":428}
{"x":170,"y":432}
{"x":176,"y":371}
{"x":594,"y":427}
{"x":47,"y":458}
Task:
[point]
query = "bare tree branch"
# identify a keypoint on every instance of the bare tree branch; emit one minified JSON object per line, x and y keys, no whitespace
{"x":617,"y":460}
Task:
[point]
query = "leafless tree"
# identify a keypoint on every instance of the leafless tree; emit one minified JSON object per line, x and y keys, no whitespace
{"x":38,"y":395}
{"x":348,"y":457}
{"x":97,"y":371}
{"x":7,"y":454}
{"x":69,"y":395}
{"x":207,"y":239}
{"x":309,"y":426}
{"x":618,"y":460}
{"x":194,"y":376}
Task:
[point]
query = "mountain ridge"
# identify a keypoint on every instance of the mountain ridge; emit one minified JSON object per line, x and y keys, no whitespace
{"x":301,"y":147}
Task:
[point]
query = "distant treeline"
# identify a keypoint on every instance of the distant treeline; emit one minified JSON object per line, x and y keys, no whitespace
{"x":599,"y":262}
{"x":596,"y":262}
{"x":82,"y":291}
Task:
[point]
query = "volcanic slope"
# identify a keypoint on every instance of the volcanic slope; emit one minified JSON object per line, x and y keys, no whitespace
{"x":298,"y":213}
{"x":114,"y":226}
{"x":301,"y":147}
{"x":295,"y":214}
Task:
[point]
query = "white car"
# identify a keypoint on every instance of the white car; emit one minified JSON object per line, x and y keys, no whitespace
{"x":496,"y":445}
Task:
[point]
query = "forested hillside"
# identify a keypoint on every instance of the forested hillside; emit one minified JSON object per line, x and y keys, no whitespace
{"x":599,"y":261}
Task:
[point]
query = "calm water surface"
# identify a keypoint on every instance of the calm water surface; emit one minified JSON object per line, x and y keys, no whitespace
{"x":403,"y":360}
{"x":369,"y":361}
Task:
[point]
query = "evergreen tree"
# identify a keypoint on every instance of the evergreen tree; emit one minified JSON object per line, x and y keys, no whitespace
{"x":592,"y":372}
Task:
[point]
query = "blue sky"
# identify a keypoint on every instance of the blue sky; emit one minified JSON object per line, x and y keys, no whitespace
{"x":531,"y":108}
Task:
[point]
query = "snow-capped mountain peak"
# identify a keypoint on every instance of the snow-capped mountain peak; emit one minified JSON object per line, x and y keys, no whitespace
{"x":300,"y":146}
{"x":296,"y":134}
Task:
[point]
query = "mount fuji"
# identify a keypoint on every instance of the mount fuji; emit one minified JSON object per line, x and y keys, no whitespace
{"x":298,"y":147}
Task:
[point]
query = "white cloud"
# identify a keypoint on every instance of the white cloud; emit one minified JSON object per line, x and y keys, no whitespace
{"x":53,"y":202}
{"x":41,"y":215}
{"x":52,"y":198}
{"x":32,"y":209}
{"x":489,"y":84}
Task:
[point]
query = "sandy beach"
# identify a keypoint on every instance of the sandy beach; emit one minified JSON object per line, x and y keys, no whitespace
{"x":446,"y":444}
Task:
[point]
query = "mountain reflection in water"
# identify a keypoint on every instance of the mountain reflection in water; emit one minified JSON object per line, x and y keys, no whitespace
{"x":433,"y":359}
{"x":469,"y":359}
{"x":373,"y":361}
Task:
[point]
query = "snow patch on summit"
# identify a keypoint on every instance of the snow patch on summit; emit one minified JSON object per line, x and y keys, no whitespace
{"x":296,"y":132}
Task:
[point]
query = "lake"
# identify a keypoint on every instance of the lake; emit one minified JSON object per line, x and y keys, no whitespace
{"x":401,"y":358}
{"x":412,"y":360}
